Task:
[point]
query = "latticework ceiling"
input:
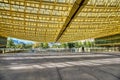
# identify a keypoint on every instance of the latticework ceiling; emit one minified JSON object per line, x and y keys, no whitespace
{"x":59,"y":20}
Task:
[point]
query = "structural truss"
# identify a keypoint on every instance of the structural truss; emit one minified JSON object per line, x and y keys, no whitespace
{"x":59,"y":20}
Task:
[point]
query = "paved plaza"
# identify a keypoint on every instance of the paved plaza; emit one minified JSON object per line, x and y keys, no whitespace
{"x":60,"y":66}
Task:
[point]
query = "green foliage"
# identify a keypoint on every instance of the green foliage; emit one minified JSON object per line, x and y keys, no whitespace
{"x":45,"y":45}
{"x":27,"y":46}
{"x":78,"y":44}
{"x":88,"y":44}
{"x":36,"y":45}
{"x":41,"y":45}
{"x":10,"y":44}
{"x":23,"y":46}
{"x":71,"y":45}
{"x":19,"y":46}
{"x":55,"y":46}
{"x":64,"y":45}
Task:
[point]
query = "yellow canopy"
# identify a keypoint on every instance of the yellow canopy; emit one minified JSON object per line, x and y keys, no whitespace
{"x":59,"y":20}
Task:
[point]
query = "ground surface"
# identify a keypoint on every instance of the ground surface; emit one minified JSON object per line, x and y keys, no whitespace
{"x":81,"y":66}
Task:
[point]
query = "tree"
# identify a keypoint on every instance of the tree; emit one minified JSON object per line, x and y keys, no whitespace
{"x":64,"y":45}
{"x":71,"y":45}
{"x":36,"y":45}
{"x":23,"y":45}
{"x":92,"y":44}
{"x":45,"y":45}
{"x":88,"y":44}
{"x":18,"y":46}
{"x":10,"y":43}
{"x":27,"y":46}
{"x":41,"y":45}
{"x":55,"y":46}
{"x":78,"y":44}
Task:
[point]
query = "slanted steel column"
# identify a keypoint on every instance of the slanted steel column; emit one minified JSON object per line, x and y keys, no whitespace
{"x":77,"y":7}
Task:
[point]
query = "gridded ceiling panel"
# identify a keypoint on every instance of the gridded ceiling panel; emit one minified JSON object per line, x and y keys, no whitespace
{"x":37,"y":20}
{"x":59,"y":20}
{"x":95,"y":19}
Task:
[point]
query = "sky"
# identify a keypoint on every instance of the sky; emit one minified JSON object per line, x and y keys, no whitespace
{"x":32,"y":42}
{"x":21,"y":40}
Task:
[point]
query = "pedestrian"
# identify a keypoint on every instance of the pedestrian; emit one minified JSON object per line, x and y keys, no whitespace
{"x":83,"y":50}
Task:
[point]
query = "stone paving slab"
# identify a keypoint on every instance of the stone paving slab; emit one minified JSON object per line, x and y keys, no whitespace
{"x":45,"y":74}
{"x":75,"y":74}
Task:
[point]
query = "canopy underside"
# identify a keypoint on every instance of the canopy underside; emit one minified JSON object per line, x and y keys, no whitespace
{"x":59,"y":20}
